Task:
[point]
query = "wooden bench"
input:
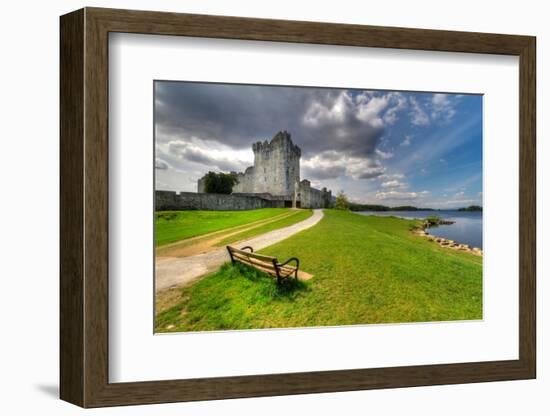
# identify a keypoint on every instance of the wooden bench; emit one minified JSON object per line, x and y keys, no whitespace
{"x":266,"y":264}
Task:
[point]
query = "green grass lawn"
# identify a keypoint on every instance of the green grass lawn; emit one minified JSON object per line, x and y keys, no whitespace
{"x":367,"y":270}
{"x":293,"y":218}
{"x":173,"y":226}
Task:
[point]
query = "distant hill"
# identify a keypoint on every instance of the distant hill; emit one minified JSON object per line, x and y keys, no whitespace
{"x":472,"y":208}
{"x":370,"y":207}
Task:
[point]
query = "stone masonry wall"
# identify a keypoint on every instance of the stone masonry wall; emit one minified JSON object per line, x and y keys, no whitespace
{"x":170,"y":201}
{"x":276,"y":167}
{"x":276,"y":201}
{"x":314,"y":198}
{"x":245,"y":182}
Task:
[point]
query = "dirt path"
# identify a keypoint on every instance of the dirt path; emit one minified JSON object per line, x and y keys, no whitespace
{"x":203,"y":243}
{"x":180,"y":271}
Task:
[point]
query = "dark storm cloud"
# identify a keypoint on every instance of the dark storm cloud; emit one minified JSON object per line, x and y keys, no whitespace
{"x":233,"y":115}
{"x":190,"y":152}
{"x":319,"y":120}
{"x":321,"y":172}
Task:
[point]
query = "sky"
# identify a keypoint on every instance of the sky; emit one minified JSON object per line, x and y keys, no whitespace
{"x":378,"y":147}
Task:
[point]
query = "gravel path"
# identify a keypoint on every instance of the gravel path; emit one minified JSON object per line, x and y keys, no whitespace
{"x":180,"y":271}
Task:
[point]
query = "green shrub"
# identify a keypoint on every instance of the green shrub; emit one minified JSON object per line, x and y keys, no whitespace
{"x":219,"y":183}
{"x":342,"y":202}
{"x":433,"y":220}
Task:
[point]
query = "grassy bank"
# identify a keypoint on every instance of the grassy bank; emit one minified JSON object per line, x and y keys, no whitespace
{"x":173,"y":226}
{"x":367,"y":270}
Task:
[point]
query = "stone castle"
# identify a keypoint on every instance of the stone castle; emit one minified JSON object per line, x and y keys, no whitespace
{"x":275,"y":177}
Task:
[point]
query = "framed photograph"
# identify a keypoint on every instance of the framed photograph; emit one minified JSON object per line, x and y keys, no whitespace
{"x":255,"y":207}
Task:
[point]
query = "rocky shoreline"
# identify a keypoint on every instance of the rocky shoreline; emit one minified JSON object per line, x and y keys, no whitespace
{"x":444,"y":242}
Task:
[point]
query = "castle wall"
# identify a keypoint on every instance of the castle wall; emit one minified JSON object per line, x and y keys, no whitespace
{"x":277,"y":201}
{"x":246,"y":181}
{"x":314,"y":198}
{"x":171,"y":201}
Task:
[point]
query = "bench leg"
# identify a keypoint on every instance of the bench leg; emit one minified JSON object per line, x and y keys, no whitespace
{"x":276,"y":267}
{"x":230,"y":255}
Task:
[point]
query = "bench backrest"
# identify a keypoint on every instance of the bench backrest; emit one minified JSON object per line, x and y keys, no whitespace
{"x":266,"y":264}
{"x":260,"y":261}
{"x":251,"y":254}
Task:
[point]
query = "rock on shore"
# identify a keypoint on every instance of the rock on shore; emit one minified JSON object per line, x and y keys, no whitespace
{"x":444,"y":242}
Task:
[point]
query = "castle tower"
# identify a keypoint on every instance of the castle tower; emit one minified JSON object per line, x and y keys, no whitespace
{"x":276,"y":165}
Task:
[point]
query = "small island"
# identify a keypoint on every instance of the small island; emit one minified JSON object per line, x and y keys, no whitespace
{"x":471,"y":208}
{"x":369,"y":207}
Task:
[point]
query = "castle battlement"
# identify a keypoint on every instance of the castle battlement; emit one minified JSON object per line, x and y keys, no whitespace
{"x":281,"y":140}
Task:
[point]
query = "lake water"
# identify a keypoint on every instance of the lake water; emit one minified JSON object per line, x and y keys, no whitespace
{"x":467,"y":229}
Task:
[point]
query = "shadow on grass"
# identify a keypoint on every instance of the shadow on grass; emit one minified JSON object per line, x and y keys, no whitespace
{"x":286,"y":290}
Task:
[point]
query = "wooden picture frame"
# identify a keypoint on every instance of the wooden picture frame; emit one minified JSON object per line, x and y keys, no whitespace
{"x":84,"y":207}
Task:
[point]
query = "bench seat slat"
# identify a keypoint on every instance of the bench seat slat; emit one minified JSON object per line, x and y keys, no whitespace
{"x":252,"y":260}
{"x":269,"y":270}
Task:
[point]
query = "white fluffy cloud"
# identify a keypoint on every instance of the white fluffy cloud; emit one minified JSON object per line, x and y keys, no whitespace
{"x":333,"y":165}
{"x":392,"y":176}
{"x":397,"y":195}
{"x":400,"y":196}
{"x":394,"y":184}
{"x":321,"y":114}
